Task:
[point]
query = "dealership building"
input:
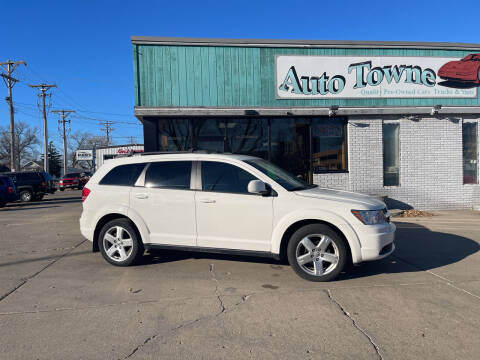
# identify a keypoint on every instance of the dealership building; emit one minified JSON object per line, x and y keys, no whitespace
{"x":392,"y":119}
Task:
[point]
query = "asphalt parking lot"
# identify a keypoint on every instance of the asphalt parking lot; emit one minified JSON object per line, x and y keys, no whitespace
{"x":58,"y":300}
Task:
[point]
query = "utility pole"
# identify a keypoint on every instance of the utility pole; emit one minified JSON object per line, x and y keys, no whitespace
{"x":64,"y":114}
{"x":9,"y":66}
{"x":42,"y":94}
{"x":107,"y":126}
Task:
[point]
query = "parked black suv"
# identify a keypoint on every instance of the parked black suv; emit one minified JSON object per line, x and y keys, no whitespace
{"x":30,"y":185}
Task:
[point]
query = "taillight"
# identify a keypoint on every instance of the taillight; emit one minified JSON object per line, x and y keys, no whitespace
{"x":10,"y":190}
{"x":85,"y":193}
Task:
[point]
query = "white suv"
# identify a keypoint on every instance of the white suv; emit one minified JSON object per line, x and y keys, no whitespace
{"x":230,"y":204}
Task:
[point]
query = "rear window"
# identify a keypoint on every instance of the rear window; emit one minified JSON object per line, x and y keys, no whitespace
{"x":169,"y":174}
{"x":123,"y":175}
{"x":72,"y":175}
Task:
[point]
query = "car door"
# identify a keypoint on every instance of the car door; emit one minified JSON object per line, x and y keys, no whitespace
{"x":166,"y":203}
{"x":228,"y":216}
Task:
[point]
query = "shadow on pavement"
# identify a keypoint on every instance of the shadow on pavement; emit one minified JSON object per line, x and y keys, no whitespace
{"x":417,"y":249}
{"x":12,"y":208}
{"x":48,"y":201}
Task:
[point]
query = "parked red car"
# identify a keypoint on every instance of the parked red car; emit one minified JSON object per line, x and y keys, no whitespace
{"x":467,"y":69}
{"x":73,"y":181}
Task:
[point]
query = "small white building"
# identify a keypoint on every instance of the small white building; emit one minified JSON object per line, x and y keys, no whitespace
{"x":105,"y":153}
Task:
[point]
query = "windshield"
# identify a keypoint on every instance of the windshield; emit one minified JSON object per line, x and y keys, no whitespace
{"x":280,"y":176}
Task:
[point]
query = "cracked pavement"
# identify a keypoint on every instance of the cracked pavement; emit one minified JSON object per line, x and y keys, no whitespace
{"x":59,"y":300}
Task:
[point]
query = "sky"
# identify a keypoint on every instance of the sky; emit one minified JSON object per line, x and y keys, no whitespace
{"x":84,"y":46}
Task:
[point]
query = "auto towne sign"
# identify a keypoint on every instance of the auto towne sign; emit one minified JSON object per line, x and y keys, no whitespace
{"x":84,"y":155}
{"x":346,"y":77}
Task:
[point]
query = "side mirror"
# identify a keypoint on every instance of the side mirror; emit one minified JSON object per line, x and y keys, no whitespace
{"x":257,"y":187}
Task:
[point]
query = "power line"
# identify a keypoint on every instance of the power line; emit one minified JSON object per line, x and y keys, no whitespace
{"x":9,"y":67}
{"x":43,"y":88}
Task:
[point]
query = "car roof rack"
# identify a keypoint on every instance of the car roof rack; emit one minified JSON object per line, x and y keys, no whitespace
{"x":180,"y":152}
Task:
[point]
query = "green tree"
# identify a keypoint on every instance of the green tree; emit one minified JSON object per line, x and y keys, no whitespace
{"x":54,"y":160}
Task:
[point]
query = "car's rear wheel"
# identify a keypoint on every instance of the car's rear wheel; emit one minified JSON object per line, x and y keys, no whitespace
{"x":119,"y":243}
{"x":2,"y":203}
{"x":26,"y":196}
{"x":317,"y":253}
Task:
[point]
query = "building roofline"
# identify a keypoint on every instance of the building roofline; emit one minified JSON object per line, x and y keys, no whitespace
{"x":115,"y":146}
{"x":180,"y":41}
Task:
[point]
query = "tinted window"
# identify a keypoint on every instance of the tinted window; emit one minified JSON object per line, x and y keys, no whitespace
{"x":72,"y":175}
{"x":123,"y":175}
{"x":169,"y":174}
{"x":222,"y":177}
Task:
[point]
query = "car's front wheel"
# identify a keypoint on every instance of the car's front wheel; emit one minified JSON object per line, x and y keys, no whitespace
{"x":317,"y":253}
{"x":119,"y":243}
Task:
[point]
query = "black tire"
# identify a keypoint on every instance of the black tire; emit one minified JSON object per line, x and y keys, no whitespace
{"x":134,"y":254}
{"x":2,"y":203}
{"x":62,"y":189}
{"x":26,"y":196}
{"x":336,"y":249}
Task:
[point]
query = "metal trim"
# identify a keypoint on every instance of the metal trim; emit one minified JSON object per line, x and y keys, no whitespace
{"x":141,"y":111}
{"x":213,"y":250}
{"x":181,"y":41}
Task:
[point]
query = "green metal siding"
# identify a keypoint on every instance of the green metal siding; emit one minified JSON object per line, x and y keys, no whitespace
{"x":215,"y":76}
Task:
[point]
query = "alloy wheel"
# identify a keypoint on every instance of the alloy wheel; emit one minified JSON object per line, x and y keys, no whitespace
{"x":317,"y":254}
{"x":118,"y":243}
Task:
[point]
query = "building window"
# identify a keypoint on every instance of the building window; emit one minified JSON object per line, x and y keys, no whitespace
{"x":174,"y":135}
{"x":470,"y":153}
{"x":329,"y":145}
{"x":391,"y":154}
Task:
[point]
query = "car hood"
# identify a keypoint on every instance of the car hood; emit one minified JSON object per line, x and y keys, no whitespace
{"x":363,"y":202}
{"x":68,"y":179}
{"x":459,"y":65}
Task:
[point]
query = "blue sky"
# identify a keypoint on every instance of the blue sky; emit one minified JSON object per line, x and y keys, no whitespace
{"x":84,"y":46}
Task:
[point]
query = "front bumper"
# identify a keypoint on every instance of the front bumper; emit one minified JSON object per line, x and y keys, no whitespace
{"x":377,"y":242}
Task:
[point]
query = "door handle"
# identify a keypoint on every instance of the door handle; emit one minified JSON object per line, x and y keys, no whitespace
{"x":207,"y":201}
{"x":141,"y":196}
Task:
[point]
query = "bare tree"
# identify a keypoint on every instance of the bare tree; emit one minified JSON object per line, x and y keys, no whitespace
{"x":83,"y":140}
{"x":26,"y":144}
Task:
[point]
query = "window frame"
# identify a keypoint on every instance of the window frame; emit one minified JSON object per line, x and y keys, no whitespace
{"x":200,"y":182}
{"x":143,"y":175}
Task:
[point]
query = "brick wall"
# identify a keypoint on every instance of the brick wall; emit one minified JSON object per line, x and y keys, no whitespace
{"x":431,"y":169}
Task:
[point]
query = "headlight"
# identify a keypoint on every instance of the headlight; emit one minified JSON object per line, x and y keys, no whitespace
{"x":370,"y":217}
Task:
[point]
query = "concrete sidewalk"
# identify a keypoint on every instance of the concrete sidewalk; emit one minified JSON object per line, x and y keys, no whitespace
{"x":59,"y":300}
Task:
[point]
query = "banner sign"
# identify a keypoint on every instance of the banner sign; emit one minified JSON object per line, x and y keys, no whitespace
{"x":369,"y":77}
{"x":82,"y":155}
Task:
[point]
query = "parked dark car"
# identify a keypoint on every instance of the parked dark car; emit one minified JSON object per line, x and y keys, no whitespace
{"x":8,"y":192}
{"x":30,"y":185}
{"x":74,"y":181}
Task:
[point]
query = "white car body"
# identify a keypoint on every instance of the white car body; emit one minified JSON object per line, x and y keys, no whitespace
{"x":196,"y":219}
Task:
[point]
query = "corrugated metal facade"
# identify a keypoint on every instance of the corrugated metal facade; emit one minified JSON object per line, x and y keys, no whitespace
{"x":234,"y":76}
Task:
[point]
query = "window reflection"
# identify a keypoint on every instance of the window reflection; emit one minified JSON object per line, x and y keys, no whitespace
{"x":329,"y":145}
{"x":174,"y":135}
